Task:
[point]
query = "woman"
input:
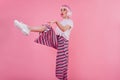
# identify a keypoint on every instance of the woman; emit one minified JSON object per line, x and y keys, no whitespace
{"x":57,"y":39}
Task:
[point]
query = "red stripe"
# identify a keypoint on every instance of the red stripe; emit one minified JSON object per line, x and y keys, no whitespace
{"x":49,"y":38}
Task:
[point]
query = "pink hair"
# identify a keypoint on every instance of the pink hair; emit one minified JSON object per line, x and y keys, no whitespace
{"x":68,"y":9}
{"x":66,"y":6}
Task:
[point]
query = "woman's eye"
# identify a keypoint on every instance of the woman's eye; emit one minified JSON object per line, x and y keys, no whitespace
{"x":61,"y":10}
{"x":64,"y":9}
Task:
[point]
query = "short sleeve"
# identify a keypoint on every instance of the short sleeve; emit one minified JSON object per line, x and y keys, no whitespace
{"x":70,"y":22}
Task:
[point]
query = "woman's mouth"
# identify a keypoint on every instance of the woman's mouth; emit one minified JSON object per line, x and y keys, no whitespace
{"x":61,"y":14}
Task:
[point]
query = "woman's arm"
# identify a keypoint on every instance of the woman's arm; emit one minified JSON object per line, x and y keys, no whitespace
{"x":63,"y":28}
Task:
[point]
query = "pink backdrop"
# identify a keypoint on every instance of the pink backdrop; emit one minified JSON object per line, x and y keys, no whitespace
{"x":94,"y":43}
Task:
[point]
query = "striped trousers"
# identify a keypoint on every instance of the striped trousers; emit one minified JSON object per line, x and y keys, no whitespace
{"x":49,"y":38}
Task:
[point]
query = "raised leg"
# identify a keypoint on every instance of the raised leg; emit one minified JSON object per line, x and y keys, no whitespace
{"x":37,"y":29}
{"x":27,"y":29}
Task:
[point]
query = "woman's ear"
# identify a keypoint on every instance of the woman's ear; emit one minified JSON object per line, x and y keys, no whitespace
{"x":69,"y":13}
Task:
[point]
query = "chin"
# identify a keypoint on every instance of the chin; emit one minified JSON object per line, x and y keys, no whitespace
{"x":62,"y":16}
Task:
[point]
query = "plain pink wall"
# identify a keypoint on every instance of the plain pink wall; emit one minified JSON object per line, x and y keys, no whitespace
{"x":94,"y":44}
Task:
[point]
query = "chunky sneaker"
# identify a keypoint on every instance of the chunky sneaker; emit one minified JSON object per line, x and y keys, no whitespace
{"x":23,"y":27}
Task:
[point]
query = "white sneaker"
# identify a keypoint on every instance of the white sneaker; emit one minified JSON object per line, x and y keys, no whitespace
{"x":23,"y":27}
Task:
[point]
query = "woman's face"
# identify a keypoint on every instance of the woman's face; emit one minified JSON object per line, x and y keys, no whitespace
{"x":63,"y":12}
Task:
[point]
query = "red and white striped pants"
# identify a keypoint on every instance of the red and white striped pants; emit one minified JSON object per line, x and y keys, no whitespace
{"x":49,"y":38}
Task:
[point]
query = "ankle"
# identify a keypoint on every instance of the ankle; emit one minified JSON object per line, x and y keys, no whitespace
{"x":29,"y":28}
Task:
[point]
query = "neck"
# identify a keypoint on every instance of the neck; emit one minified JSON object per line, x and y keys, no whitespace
{"x":66,"y":17}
